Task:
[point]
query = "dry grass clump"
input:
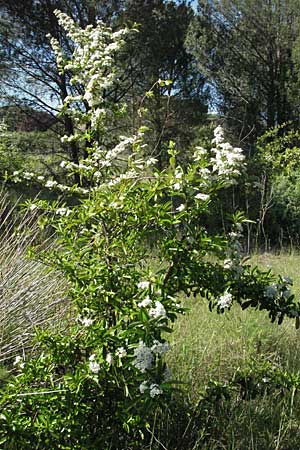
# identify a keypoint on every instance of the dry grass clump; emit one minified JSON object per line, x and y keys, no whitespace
{"x":30,"y":294}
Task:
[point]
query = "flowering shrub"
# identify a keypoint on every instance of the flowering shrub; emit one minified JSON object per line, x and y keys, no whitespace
{"x":129,"y":249}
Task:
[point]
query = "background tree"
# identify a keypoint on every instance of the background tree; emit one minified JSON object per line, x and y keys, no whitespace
{"x":247,"y":58}
{"x":158,"y":52}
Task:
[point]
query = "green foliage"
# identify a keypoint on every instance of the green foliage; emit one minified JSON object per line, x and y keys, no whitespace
{"x":29,"y":150}
{"x":10,"y":157}
{"x":279,"y":150}
{"x":278,"y":156}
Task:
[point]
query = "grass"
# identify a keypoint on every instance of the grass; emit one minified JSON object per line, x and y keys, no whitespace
{"x":210,"y":349}
{"x":31,"y":295}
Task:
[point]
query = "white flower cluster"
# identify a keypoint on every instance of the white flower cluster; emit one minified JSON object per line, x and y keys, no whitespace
{"x":102,"y":158}
{"x":145,"y":303}
{"x":202,"y":197}
{"x":224,"y":301}
{"x":225,"y":164}
{"x":86,"y":317}
{"x":181,"y":207}
{"x":120,"y":147}
{"x":143,"y":284}
{"x":93,"y":365}
{"x":158,"y":311}
{"x":160,"y":348}
{"x":19,"y":362}
{"x":177,"y":186}
{"x":227,"y":160}
{"x":19,"y":176}
{"x":153,"y":389}
{"x":234,"y":251}
{"x":121,"y":352}
{"x":128,"y":175}
{"x":200,"y":153}
{"x":51,"y":184}
{"x":155,"y":308}
{"x":92,"y":60}
{"x":92,"y":65}
{"x":28,"y":175}
{"x":109,"y":358}
{"x":144,"y":356}
{"x":87,"y":321}
{"x":63,"y":212}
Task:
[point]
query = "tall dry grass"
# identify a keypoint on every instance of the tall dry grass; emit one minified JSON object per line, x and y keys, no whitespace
{"x":31,"y":295}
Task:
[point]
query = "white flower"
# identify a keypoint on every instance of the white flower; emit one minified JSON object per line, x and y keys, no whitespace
{"x":143,"y":284}
{"x":225,"y":300}
{"x":86,"y":321}
{"x":219,"y":135}
{"x":50,"y":184}
{"x":143,"y":387}
{"x":143,"y":357}
{"x":151,"y":161}
{"x":199,"y":153}
{"x":121,"y":352}
{"x":93,"y":365}
{"x":203,"y":197}
{"x":19,"y":362}
{"x":28,"y":175}
{"x":146,"y":302}
{"x":228,"y":264}
{"x":180,"y":208}
{"x":63,"y":212}
{"x":178,"y":175}
{"x":155,"y":390}
{"x":176,"y":186}
{"x":109,"y":359}
{"x":228,"y":160}
{"x":158,"y":311}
